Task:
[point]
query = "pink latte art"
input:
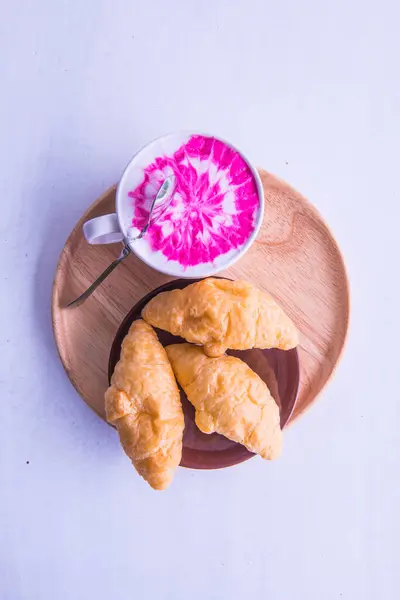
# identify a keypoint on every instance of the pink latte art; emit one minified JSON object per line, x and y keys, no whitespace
{"x":214,"y":209}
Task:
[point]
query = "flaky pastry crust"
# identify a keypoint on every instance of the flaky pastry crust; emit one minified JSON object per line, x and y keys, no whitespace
{"x":229,"y":398}
{"x":143,"y":402}
{"x":221,"y":314}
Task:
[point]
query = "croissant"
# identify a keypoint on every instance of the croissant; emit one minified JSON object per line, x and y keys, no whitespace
{"x":229,"y":398}
{"x":143,"y":402}
{"x":221,"y":314}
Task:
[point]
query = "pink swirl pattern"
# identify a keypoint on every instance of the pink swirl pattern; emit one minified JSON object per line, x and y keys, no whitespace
{"x":214,"y":207}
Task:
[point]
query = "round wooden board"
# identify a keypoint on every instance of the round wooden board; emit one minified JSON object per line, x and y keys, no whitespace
{"x":295,"y":258}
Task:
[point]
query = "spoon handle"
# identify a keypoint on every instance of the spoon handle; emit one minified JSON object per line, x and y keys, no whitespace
{"x":78,"y":301}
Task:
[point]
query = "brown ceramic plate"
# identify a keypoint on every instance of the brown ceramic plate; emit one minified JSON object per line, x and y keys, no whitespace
{"x":279,"y":370}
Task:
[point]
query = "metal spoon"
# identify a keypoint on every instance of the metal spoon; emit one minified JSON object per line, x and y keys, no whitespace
{"x":160,"y":203}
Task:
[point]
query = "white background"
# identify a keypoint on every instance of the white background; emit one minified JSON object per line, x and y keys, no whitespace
{"x":310,"y":90}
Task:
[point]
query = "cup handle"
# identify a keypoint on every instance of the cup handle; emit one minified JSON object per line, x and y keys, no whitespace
{"x":103,"y":230}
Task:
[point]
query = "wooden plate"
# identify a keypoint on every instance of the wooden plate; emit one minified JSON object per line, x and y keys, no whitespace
{"x":295,"y":258}
{"x":279,"y":370}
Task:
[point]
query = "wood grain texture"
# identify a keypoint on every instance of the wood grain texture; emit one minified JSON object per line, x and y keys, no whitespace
{"x":295,"y":258}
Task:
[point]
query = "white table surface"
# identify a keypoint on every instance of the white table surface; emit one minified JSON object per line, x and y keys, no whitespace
{"x":311,"y":91}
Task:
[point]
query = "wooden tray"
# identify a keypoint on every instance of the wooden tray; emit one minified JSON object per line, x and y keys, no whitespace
{"x":295,"y":258}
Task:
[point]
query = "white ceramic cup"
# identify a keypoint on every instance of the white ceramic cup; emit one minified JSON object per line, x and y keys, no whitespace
{"x":113,"y":228}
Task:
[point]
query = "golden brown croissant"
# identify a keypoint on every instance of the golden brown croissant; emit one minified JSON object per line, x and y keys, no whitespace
{"x":229,"y":398}
{"x":221,"y":314}
{"x":143,"y":402}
